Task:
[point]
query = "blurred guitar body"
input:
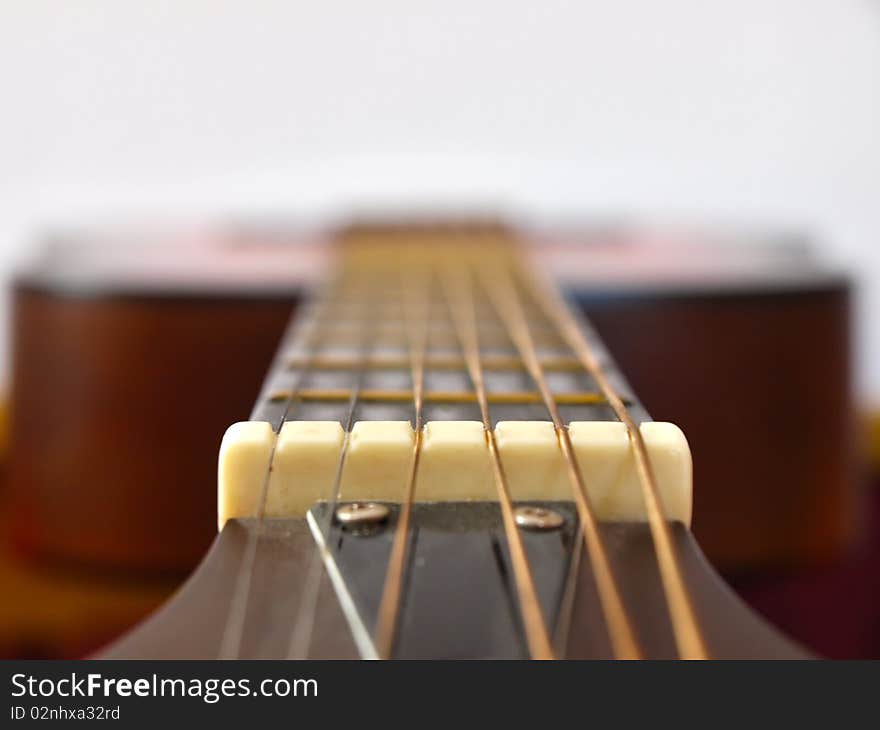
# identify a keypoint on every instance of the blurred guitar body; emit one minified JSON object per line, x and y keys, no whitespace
{"x":132,"y":357}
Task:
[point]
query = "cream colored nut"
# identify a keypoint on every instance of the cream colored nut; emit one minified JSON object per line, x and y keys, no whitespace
{"x":454,"y":464}
{"x":241,"y":469}
{"x":303,"y":470}
{"x":377,"y":461}
{"x":607,"y":464}
{"x":305,"y":466}
{"x":533,"y":463}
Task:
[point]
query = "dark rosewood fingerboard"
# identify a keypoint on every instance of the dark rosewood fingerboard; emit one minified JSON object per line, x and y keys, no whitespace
{"x":323,"y":357}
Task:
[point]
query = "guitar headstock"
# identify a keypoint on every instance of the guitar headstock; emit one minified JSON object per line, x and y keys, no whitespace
{"x":461,"y":603}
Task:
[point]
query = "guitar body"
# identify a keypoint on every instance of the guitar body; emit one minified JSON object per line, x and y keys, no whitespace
{"x":142,"y":388}
{"x":130,"y":361}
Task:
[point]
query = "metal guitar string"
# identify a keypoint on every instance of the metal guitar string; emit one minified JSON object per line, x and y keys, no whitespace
{"x":690,"y":642}
{"x":416,"y":311}
{"x":303,"y":625}
{"x":458,"y":286}
{"x":459,"y":296}
{"x":502,"y":292}
{"x":233,"y":628}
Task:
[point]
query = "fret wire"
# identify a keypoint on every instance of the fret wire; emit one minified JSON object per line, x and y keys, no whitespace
{"x":233,"y":628}
{"x":303,"y":626}
{"x":438,"y":362}
{"x":689,"y":637}
{"x":417,"y":311}
{"x":440,"y":396}
{"x":509,"y":307}
{"x":461,"y":304}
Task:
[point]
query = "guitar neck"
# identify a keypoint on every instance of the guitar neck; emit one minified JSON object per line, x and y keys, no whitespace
{"x":343,"y":339}
{"x":445,"y":453}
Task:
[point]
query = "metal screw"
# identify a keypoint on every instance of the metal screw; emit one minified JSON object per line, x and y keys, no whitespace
{"x":537,"y":518}
{"x":362,"y":513}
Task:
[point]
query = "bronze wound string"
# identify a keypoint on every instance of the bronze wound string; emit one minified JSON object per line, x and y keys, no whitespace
{"x":416,"y":303}
{"x":304,"y":624}
{"x":503,"y":294}
{"x":689,"y":637}
{"x":458,"y":283}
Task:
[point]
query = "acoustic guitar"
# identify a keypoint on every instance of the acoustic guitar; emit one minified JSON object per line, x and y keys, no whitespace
{"x":444,"y":462}
{"x":115,"y":332}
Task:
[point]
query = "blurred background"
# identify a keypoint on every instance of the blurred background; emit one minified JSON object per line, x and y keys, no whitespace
{"x":756,"y":115}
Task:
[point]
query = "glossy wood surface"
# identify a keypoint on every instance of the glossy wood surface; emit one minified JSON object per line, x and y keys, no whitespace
{"x":120,"y":395}
{"x":760,"y":383}
{"x":118,"y":406}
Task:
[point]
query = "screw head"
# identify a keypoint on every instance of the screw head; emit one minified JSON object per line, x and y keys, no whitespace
{"x":537,"y":518}
{"x":362,"y":513}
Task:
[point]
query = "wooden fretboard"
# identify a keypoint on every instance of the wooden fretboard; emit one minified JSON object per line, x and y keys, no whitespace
{"x":356,"y":337}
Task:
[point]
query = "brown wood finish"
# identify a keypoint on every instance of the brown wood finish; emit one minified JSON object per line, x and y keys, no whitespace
{"x":760,"y":383}
{"x":118,"y":406}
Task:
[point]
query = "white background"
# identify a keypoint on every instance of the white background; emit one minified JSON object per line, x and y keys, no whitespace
{"x":751,"y":111}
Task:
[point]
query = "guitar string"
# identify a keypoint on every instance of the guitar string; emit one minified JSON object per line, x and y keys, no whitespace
{"x":304,"y":623}
{"x":233,"y":627}
{"x":416,"y":290}
{"x":690,"y":642}
{"x":506,"y":300}
{"x":467,"y":333}
{"x":459,"y":296}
